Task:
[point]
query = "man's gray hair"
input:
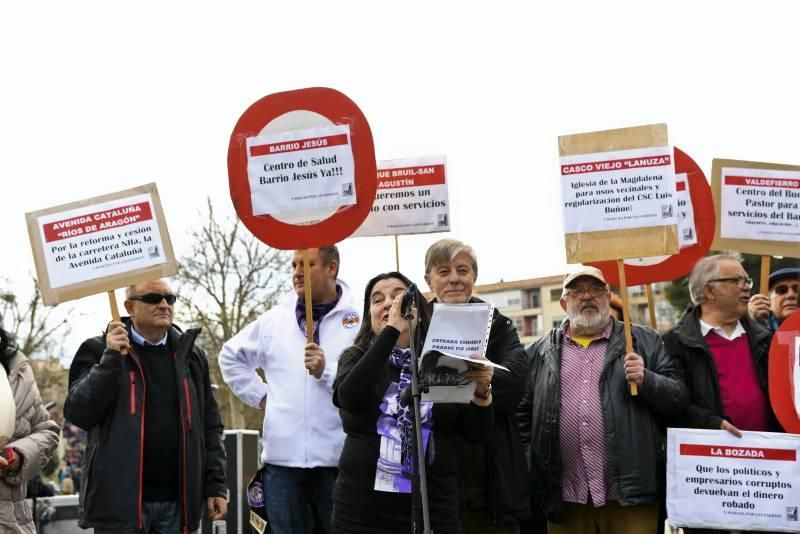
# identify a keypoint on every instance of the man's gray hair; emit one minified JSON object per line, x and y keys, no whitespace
{"x":444,"y":250}
{"x":707,"y":269}
{"x":130,"y":291}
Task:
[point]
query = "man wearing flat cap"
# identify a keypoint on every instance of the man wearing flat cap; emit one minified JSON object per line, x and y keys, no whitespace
{"x":596,"y":452}
{"x":780,"y":302}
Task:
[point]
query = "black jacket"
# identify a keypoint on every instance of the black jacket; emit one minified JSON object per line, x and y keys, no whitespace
{"x":506,"y":472}
{"x":106,"y":398}
{"x":689,"y":350}
{"x":634,"y":443}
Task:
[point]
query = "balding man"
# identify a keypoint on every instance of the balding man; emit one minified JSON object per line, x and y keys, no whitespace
{"x":722,"y":351}
{"x":142,"y":391}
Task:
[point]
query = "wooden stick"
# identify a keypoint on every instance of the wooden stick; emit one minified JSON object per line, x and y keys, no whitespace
{"x":763,"y":286}
{"x":651,"y":306}
{"x":397,"y":254}
{"x":112,"y":302}
{"x":307,"y":289}
{"x":623,"y":289}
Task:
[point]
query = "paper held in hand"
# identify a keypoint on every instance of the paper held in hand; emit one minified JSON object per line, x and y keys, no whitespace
{"x":456,"y":334}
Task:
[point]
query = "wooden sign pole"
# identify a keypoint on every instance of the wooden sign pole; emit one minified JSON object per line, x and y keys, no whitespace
{"x":623,"y":290}
{"x":307,"y":288}
{"x":112,"y":302}
{"x":763,"y":286}
{"x":397,"y":254}
{"x":651,"y":306}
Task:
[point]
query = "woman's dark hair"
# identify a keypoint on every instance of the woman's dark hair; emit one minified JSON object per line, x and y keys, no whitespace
{"x":365,"y":334}
{"x":6,"y":343}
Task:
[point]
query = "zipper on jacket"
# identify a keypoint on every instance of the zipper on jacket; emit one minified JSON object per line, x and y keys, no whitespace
{"x":141,"y":437}
{"x":185,"y":529}
{"x":133,"y":393}
{"x":188,"y":401}
{"x":183,"y":467}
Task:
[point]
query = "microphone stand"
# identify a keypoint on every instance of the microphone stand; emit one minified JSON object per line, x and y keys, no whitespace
{"x":420,"y":480}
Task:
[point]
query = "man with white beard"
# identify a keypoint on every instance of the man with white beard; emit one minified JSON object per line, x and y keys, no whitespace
{"x":596,"y":452}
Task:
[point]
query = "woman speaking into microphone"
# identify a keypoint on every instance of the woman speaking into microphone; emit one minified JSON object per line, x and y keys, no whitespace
{"x":378,"y":462}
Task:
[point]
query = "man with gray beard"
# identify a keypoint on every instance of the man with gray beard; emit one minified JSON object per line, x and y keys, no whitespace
{"x":596,"y":452}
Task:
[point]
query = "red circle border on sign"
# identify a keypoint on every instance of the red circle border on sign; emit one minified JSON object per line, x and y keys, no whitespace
{"x":781,"y":373}
{"x":337,"y":108}
{"x":682,"y":263}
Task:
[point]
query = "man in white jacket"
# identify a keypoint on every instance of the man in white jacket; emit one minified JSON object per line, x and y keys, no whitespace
{"x":302,"y":430}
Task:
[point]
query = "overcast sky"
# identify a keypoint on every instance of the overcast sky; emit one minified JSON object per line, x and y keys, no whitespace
{"x":102,"y":96}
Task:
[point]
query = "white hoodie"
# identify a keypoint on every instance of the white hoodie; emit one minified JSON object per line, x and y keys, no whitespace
{"x":302,"y":427}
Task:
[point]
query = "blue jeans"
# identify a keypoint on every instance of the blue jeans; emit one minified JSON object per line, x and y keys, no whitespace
{"x":299,"y":500}
{"x":157,"y":518}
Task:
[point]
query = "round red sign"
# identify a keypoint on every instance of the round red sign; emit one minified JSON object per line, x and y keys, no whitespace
{"x":784,"y":359}
{"x":330,"y":107}
{"x":669,"y":268}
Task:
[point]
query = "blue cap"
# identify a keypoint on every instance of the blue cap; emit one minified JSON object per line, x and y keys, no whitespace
{"x":792,"y":273}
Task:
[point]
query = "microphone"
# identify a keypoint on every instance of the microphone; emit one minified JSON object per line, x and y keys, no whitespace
{"x":408,"y":299}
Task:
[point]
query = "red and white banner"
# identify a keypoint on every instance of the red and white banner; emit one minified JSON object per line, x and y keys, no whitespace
{"x":100,"y":240}
{"x":412,"y":198}
{"x":716,"y":480}
{"x":301,"y":170}
{"x":618,"y":190}
{"x":761,"y":204}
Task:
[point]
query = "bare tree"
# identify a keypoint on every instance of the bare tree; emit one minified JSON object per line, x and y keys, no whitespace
{"x":37,"y":329}
{"x":227,"y":280}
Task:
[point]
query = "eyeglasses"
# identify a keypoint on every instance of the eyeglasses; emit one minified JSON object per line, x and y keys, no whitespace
{"x":740,"y":281}
{"x":579,"y":292}
{"x":156,"y":298}
{"x":782,"y":290}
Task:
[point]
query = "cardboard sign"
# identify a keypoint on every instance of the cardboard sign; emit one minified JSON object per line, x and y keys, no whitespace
{"x":758,"y":207}
{"x":716,"y":480}
{"x":696,"y":226}
{"x":618,"y":194}
{"x":784,"y":373}
{"x":100,"y":244}
{"x":301,"y":168}
{"x":411,"y":199}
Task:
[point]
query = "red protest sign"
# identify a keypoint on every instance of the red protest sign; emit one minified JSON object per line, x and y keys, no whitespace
{"x":321,"y":108}
{"x":666,"y":268}
{"x":784,"y":373}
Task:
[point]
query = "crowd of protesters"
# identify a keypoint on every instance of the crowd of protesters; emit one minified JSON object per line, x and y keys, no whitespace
{"x":555,"y":442}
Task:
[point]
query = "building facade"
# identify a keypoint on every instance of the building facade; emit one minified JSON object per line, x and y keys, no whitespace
{"x":533,"y":305}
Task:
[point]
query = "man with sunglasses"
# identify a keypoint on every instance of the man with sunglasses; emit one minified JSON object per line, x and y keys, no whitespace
{"x":155,"y":457}
{"x":595,"y":450}
{"x":781,"y":301}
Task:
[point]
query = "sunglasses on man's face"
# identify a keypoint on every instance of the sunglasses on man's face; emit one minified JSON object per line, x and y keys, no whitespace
{"x":783,"y":289}
{"x":156,"y":298}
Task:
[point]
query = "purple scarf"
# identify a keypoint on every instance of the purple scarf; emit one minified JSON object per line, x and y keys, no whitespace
{"x":318,"y":311}
{"x":396,"y":459}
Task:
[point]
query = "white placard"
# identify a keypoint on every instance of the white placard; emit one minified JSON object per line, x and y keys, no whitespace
{"x":301,"y":170}
{"x":796,"y":383}
{"x":687,"y":232}
{"x":456,"y":333}
{"x":618,"y":190}
{"x":412,"y":198}
{"x":716,"y":480}
{"x":760,"y":204}
{"x":99,"y":240}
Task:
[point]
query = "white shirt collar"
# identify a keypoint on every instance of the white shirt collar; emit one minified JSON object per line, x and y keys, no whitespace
{"x":705,"y":328}
{"x":138,"y":339}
